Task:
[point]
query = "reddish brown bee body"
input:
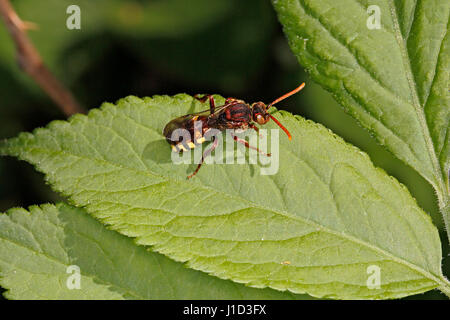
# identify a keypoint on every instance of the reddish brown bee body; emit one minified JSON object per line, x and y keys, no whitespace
{"x":234,"y":114}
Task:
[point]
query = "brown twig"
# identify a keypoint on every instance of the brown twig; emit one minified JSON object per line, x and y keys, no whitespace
{"x":31,"y":62}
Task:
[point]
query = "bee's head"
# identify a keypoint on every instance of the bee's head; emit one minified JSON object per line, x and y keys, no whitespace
{"x":259,"y":113}
{"x":261,"y":116}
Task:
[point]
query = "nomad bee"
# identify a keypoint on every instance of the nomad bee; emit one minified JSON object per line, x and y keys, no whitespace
{"x":234,"y":114}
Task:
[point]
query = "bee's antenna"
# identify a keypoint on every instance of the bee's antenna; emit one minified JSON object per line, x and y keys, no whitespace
{"x":300,"y":87}
{"x":281,"y":126}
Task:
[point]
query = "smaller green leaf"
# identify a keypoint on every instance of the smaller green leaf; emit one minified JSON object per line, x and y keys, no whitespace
{"x":37,"y":247}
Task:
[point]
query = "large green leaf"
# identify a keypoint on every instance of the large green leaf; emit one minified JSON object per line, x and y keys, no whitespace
{"x":393,"y":80}
{"x":328,"y":210}
{"x":38,"y":247}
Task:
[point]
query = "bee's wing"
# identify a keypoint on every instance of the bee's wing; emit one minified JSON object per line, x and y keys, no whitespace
{"x":183,"y":121}
{"x":177,"y":123}
{"x":217,"y":111}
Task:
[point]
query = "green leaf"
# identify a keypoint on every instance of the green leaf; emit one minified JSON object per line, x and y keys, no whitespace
{"x":393,"y":80}
{"x":37,"y":247}
{"x":328,"y":211}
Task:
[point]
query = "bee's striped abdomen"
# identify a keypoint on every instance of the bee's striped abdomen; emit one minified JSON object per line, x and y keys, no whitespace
{"x":197,"y":137}
{"x":183,"y":146}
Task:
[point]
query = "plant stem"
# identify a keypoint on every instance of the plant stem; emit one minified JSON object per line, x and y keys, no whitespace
{"x":31,"y":62}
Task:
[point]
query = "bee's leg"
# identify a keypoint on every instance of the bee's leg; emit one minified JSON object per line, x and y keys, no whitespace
{"x":205,"y":154}
{"x":212,"y":104}
{"x":245,"y":143}
{"x":251,"y":125}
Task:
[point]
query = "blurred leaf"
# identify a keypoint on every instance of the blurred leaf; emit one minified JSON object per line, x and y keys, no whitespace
{"x":128,"y":17}
{"x":38,"y":246}
{"x":331,"y":214}
{"x":52,"y":36}
{"x":393,"y":80}
{"x":165,"y":18}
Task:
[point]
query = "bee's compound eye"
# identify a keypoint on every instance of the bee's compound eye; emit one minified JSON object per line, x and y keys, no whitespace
{"x":260,"y":119}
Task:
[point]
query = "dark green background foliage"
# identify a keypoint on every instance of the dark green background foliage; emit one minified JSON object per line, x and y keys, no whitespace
{"x":230,"y":47}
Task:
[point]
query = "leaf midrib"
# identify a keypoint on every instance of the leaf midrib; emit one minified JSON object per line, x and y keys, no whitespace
{"x":438,"y":279}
